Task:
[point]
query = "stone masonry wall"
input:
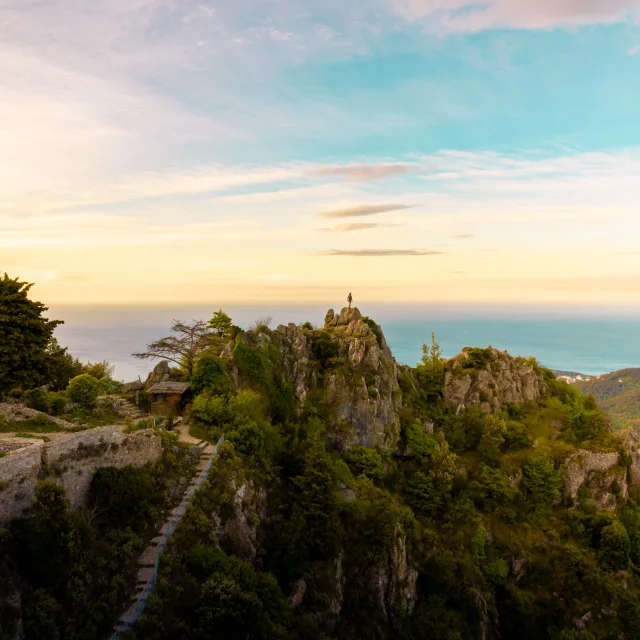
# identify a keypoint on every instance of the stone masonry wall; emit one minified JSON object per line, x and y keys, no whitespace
{"x":71,"y":461}
{"x":19,"y":472}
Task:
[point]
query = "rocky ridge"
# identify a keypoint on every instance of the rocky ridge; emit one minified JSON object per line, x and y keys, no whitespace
{"x":491,"y":379}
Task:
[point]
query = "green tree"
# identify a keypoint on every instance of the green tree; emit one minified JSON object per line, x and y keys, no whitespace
{"x":540,"y":482}
{"x":25,"y":336}
{"x":62,"y":366}
{"x":430,"y":369}
{"x":210,"y":373}
{"x":614,"y":547}
{"x":367,"y":462}
{"x":492,"y":440}
{"x":221,"y":323}
{"x":84,"y":389}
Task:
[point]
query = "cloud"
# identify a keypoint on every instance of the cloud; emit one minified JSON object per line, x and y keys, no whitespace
{"x":470,"y":16}
{"x":361,"y":172}
{"x":380,"y":252}
{"x":357,"y":226}
{"x":463,"y":236}
{"x":364,"y":210}
{"x":634,"y":50}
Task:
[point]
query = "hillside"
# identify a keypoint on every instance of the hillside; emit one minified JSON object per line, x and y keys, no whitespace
{"x":356,"y":499}
{"x":618,"y":394}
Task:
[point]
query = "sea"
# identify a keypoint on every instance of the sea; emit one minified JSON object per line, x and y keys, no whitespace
{"x":591,"y":341}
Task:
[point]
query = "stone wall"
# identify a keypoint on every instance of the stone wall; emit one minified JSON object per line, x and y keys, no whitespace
{"x":19,"y":471}
{"x":72,"y":461}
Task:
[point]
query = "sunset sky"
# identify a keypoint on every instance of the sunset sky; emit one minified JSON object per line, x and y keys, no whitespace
{"x":285,"y":150}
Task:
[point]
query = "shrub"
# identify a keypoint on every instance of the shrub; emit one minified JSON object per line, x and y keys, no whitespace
{"x":615,"y":547}
{"x":479,"y":541}
{"x":84,"y":389}
{"x":42,"y":419}
{"x":419,"y":442}
{"x":492,"y":441}
{"x":497,"y":572}
{"x":367,"y":462}
{"x":324,"y":348}
{"x":246,"y":405}
{"x":540,"y":482}
{"x":211,"y":409}
{"x":38,"y":399}
{"x":58,"y":404}
{"x":209,"y":373}
{"x":108,"y":386}
{"x":516,"y":436}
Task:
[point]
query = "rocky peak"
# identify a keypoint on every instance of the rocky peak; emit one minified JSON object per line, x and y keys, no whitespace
{"x":344,"y":318}
{"x":491,"y":379}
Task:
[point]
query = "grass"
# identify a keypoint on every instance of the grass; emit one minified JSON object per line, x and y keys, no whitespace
{"x":30,"y":426}
{"x":36,"y":436}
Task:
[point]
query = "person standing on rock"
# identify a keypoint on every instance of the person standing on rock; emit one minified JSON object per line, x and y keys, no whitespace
{"x":349,"y":299}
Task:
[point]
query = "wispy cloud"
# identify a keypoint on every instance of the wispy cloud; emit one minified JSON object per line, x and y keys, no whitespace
{"x":476,"y":15}
{"x":357,"y":226}
{"x":463,"y":236}
{"x":364,"y":210}
{"x":362,"y":172}
{"x":634,"y":50}
{"x":380,"y":252}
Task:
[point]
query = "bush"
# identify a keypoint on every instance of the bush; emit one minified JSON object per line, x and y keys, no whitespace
{"x":324,"y":348}
{"x":38,"y":399}
{"x":615,"y":547}
{"x":42,"y":419}
{"x":108,"y":386}
{"x":211,"y":409}
{"x":58,"y":404}
{"x":516,"y":436}
{"x":209,"y":373}
{"x":540,"y":482}
{"x":497,"y":572}
{"x":245,"y":405}
{"x":367,"y":462}
{"x":84,"y":389}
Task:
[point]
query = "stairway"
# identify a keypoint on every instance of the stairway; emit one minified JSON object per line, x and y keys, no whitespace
{"x":149,"y":559}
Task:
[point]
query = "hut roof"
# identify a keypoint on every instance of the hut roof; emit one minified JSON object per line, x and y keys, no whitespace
{"x":169,"y":387}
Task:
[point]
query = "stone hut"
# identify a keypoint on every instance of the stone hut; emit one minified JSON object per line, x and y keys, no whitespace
{"x":168,"y":397}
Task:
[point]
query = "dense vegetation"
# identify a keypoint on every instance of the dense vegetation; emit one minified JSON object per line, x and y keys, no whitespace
{"x":76,"y":568}
{"x":476,"y":505}
{"x":618,"y":394}
{"x":461,"y":531}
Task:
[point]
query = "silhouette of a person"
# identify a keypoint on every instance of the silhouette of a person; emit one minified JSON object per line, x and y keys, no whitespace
{"x":349,"y":300}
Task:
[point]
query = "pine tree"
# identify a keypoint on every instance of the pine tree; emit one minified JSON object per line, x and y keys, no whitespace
{"x":24,"y":337}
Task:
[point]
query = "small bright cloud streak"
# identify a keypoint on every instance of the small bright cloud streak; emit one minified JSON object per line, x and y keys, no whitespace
{"x":363,"y":210}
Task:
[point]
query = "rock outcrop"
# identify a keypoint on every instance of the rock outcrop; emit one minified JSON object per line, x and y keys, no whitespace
{"x":597,"y":473}
{"x":395,"y":581}
{"x":346,"y":369}
{"x":491,"y":379}
{"x":361,"y":386}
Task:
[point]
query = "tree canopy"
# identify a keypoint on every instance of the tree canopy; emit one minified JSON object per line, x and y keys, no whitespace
{"x":25,"y":335}
{"x":184,"y":347}
{"x":220,"y":322}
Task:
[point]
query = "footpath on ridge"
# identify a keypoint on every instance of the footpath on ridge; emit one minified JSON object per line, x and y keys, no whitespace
{"x":149,"y":560}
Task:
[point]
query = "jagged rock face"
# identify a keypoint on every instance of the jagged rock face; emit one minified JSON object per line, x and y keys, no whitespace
{"x":363,"y":392}
{"x":631,"y":441}
{"x":240,"y":533}
{"x":297,"y":357}
{"x":491,"y":381}
{"x":160,"y":373}
{"x":395,"y":581}
{"x":598,"y":473}
{"x":358,"y":388}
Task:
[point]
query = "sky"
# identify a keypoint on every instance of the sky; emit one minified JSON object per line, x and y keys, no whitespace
{"x":408,"y":151}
